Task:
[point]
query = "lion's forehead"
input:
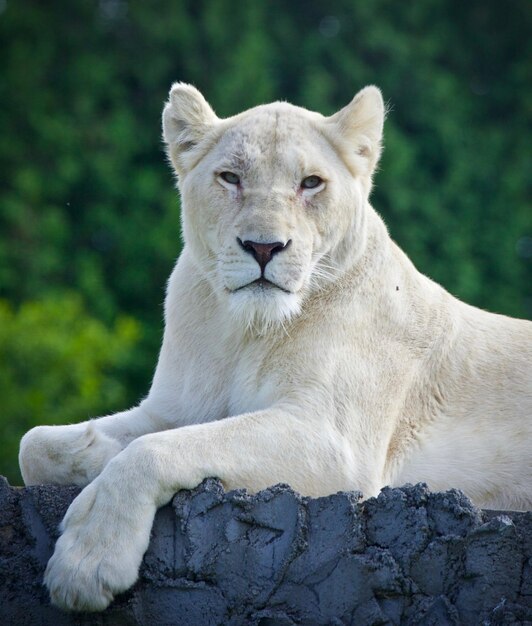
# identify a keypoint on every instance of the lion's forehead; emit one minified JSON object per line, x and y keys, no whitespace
{"x":270,"y":136}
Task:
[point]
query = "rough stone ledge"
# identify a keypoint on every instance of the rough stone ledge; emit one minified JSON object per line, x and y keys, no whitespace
{"x":408,"y":556}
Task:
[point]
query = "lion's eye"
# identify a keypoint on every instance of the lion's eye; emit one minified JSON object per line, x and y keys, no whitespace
{"x":311,"y":182}
{"x":229,"y":177}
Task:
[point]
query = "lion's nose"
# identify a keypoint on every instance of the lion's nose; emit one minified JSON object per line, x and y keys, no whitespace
{"x":263,"y":252}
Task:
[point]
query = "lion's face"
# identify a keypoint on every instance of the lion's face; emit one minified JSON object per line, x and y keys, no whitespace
{"x":263,"y":208}
{"x":271,"y":207}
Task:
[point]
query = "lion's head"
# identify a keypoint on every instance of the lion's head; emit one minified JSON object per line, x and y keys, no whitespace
{"x":274,"y":199}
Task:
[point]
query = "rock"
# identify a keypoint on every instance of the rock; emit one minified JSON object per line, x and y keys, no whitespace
{"x":408,"y":556}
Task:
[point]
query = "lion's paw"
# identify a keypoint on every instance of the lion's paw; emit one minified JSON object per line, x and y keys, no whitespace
{"x":76,"y":582}
{"x":99,"y":553}
{"x":73,"y":454}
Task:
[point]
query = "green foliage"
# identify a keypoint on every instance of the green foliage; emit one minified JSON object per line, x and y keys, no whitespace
{"x":87,"y":201}
{"x":59,"y":366}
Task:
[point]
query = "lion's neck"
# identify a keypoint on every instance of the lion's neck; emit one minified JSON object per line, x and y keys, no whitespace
{"x":360,"y":261}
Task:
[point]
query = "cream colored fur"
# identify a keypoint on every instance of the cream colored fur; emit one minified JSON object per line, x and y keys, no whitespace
{"x":349,"y":370}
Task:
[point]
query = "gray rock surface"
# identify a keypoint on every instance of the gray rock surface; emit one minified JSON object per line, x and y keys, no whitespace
{"x":276,"y":559}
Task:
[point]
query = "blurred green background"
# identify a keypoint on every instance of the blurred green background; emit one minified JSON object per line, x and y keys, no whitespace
{"x":89,"y":218}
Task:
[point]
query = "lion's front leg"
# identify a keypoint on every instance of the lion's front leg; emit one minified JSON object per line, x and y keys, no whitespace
{"x":106,"y":529}
{"x":77,"y":453}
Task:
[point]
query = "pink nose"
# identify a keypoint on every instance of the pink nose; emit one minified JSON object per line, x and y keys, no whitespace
{"x":263,"y":252}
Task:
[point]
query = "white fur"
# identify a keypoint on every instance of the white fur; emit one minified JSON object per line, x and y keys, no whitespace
{"x":350,"y":370}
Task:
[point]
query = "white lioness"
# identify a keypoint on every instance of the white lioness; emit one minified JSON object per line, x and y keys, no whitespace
{"x":301,"y":346}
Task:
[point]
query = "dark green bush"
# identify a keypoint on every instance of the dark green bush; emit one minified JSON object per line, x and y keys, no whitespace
{"x":59,"y":366}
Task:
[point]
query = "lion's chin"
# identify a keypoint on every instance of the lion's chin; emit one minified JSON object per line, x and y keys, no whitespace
{"x":262,"y":309}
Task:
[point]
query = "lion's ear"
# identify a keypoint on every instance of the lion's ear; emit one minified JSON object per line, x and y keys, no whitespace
{"x":361,"y":123}
{"x":187,"y":117}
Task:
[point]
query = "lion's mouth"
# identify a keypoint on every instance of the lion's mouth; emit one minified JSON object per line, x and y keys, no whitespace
{"x":262,"y":284}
